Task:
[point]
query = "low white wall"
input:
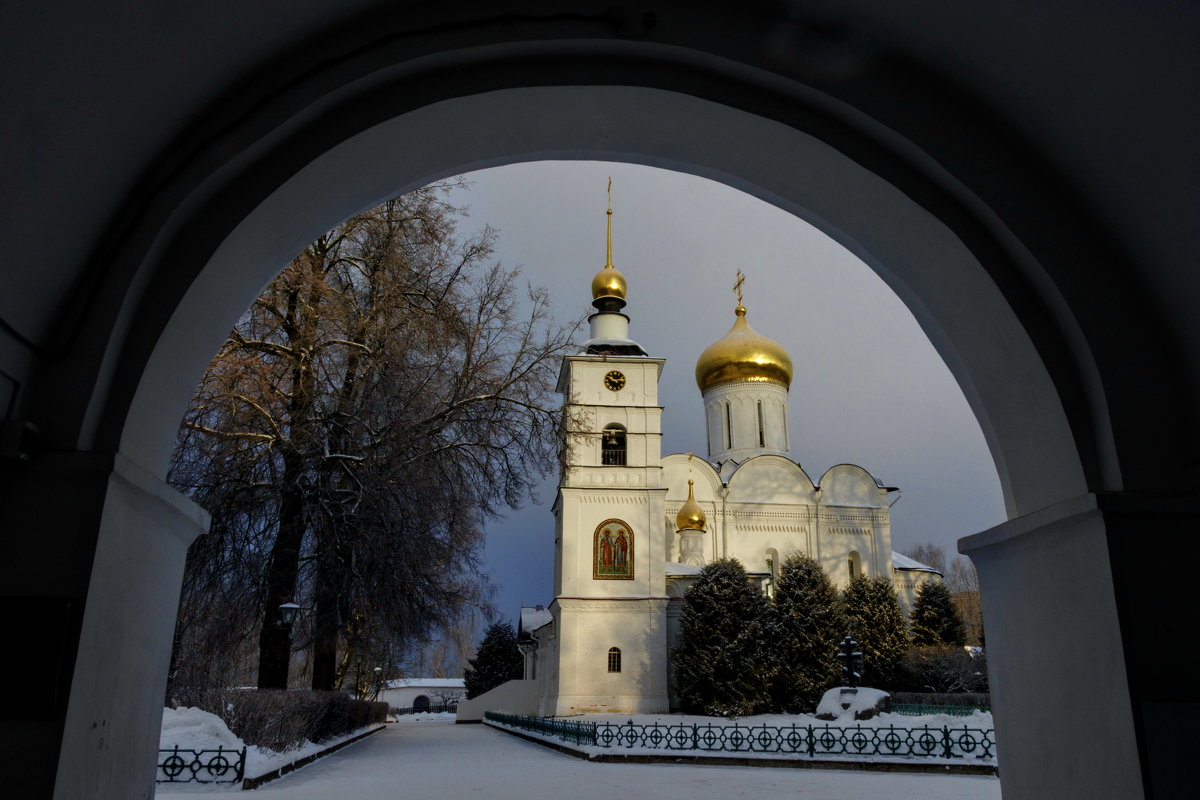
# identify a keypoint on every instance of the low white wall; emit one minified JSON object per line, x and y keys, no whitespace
{"x":514,"y":697}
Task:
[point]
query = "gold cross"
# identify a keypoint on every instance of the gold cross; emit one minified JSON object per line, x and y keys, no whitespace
{"x":737,"y":287}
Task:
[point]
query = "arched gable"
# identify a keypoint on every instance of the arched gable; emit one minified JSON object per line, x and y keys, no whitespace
{"x":851,"y":485}
{"x":771,"y":479}
{"x":707,"y":484}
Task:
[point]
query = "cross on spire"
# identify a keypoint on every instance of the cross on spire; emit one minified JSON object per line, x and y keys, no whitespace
{"x":737,"y":287}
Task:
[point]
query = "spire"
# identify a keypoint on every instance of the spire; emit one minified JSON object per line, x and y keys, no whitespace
{"x":608,"y":241}
{"x":608,"y":287}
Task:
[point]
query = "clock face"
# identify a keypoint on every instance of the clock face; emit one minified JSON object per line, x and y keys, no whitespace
{"x":614,"y":381}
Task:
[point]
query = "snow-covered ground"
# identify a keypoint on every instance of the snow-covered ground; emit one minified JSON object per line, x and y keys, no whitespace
{"x":433,"y":759}
{"x":193,"y":729}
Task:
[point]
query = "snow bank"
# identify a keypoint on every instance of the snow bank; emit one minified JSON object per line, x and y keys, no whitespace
{"x":193,"y":729}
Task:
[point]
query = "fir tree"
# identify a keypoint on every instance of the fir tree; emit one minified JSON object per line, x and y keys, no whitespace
{"x":809,"y":622}
{"x":879,"y":627}
{"x":935,"y":620}
{"x":498,"y":660}
{"x":723,"y":664}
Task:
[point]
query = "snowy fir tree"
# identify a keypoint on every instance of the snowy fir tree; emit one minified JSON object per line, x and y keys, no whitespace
{"x":809,"y":623}
{"x":723,"y":664}
{"x":496,"y":661}
{"x":935,"y":620}
{"x":878,"y":625}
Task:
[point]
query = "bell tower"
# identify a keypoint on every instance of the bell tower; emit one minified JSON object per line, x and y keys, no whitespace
{"x":609,"y":608}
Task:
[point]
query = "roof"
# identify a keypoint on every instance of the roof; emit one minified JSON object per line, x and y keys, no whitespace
{"x":534,"y":618}
{"x":431,"y":683}
{"x":904,"y":562}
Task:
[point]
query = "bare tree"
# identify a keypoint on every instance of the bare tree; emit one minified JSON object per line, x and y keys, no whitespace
{"x":929,"y":554}
{"x":385,"y":394}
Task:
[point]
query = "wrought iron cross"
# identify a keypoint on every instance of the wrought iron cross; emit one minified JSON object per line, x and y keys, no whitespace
{"x":849,"y":655}
{"x":737,"y":287}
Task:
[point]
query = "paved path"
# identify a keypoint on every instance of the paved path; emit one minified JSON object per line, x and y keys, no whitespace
{"x":437,"y":759}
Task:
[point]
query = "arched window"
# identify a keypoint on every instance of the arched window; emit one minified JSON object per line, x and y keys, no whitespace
{"x":855,"y":564}
{"x":728,"y":427}
{"x":420,"y":703}
{"x":762,"y":433}
{"x":614,"y":659}
{"x":612,"y":446}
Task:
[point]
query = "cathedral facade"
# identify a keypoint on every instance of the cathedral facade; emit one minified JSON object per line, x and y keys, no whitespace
{"x":634,"y":527}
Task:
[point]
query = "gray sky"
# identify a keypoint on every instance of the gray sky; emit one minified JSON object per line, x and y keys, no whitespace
{"x":869,"y":388}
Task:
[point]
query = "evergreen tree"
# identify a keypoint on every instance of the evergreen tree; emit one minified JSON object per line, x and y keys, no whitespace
{"x":723,"y":665}
{"x":935,"y":620}
{"x":809,"y":622}
{"x":879,"y":627}
{"x":498,"y":660}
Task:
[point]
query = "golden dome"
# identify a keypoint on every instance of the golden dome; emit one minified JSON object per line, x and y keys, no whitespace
{"x":743,"y":354}
{"x":608,"y":283}
{"x":690,"y":517}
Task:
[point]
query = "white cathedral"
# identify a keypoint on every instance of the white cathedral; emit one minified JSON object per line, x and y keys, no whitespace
{"x":634,"y":527}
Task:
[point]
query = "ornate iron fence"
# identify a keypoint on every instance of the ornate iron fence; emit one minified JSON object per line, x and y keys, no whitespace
{"x":923,"y":709}
{"x":438,"y":709}
{"x":567,"y":730}
{"x":201,"y":766}
{"x":978,"y":744}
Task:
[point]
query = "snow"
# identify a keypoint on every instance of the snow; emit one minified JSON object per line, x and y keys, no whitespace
{"x":436,"y":759}
{"x":534,"y":618}
{"x":861,"y":699}
{"x":904,"y":562}
{"x":434,"y":683}
{"x":193,"y":729}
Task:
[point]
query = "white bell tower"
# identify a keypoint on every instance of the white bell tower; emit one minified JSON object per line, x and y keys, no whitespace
{"x":609,"y":578}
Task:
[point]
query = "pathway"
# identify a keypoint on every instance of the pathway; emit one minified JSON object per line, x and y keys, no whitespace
{"x":435,"y":759}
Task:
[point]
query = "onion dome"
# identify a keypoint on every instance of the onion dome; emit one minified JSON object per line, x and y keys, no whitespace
{"x":690,"y":517}
{"x":743,"y":354}
{"x":608,"y":283}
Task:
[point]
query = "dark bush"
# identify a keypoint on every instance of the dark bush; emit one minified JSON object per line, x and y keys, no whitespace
{"x":283,"y":720}
{"x":976,"y":699}
{"x":941,"y":669}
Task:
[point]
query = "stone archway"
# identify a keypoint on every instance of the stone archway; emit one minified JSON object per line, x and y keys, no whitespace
{"x":1031,"y":349}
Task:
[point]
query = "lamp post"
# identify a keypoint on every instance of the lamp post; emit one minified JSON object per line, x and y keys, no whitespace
{"x":378,"y":683}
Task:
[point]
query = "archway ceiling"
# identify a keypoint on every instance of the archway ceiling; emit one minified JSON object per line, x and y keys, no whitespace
{"x":110,"y":109}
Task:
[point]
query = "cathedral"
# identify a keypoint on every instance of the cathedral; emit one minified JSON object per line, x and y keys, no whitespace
{"x":634,"y":526}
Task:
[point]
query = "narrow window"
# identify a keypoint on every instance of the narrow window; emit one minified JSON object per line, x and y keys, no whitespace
{"x":762,"y":437}
{"x":614,"y":659}
{"x":728,"y":428}
{"x":855,"y":564}
{"x":612,"y":446}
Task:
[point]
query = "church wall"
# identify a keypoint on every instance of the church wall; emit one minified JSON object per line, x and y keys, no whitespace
{"x":637,"y":627}
{"x":735,"y":428}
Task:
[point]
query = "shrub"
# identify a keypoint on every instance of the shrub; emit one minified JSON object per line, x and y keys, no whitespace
{"x":281,"y":720}
{"x":942,"y":669}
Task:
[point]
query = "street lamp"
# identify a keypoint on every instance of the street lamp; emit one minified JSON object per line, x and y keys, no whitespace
{"x":287,"y":614}
{"x":378,"y":682}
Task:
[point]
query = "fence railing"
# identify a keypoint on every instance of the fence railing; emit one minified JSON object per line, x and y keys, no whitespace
{"x":978,"y":744}
{"x":438,"y":709}
{"x":201,"y":766}
{"x":923,"y":709}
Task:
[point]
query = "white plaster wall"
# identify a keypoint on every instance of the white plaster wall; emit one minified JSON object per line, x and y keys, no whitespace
{"x":513,"y":697}
{"x":110,"y":741}
{"x":1059,"y":688}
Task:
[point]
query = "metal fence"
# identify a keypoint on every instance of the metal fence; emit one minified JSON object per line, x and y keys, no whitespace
{"x":438,"y":709}
{"x":976,"y":744}
{"x":201,"y":766}
{"x":924,"y":709}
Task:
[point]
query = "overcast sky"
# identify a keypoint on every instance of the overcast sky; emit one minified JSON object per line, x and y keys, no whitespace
{"x":869,"y":388}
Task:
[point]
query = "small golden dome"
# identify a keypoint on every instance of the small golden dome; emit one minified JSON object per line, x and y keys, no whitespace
{"x":608,"y":283}
{"x":743,"y":354}
{"x":690,"y":517}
